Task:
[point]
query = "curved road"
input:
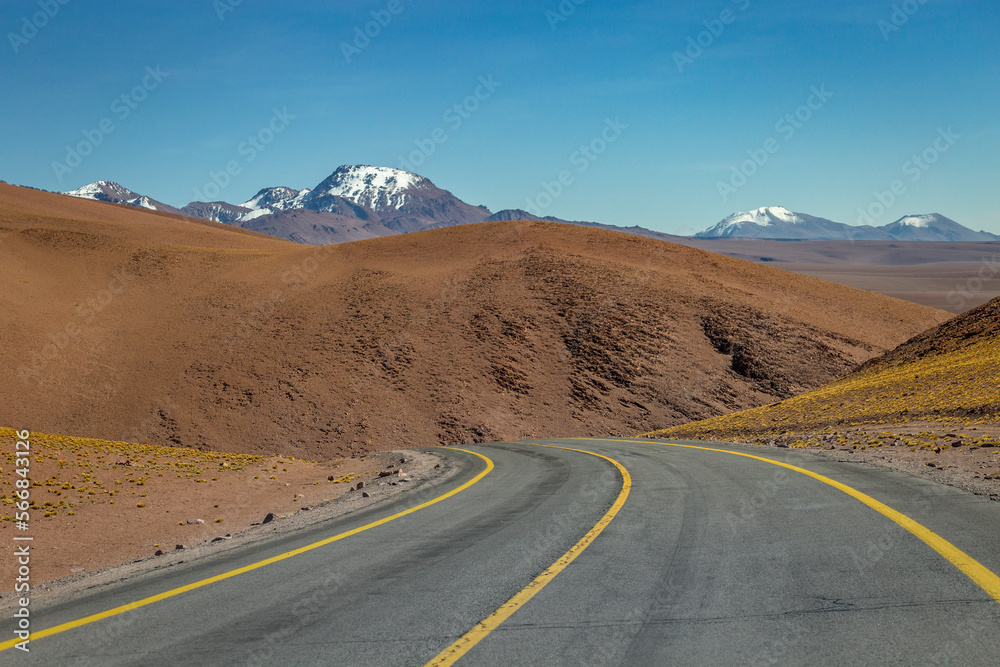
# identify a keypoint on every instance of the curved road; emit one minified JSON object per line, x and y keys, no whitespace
{"x":708,"y":558}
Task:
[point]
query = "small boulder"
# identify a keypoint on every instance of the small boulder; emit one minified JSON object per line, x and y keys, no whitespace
{"x":360,"y":485}
{"x":195,"y":521}
{"x":366,"y":495}
{"x":158,"y":552}
{"x":269,"y":518}
{"x":179,"y":547}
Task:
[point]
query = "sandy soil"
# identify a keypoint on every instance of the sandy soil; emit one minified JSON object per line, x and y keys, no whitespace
{"x":955,"y":287}
{"x":99,"y":504}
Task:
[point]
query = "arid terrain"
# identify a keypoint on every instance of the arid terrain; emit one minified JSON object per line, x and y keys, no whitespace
{"x":951,"y":276}
{"x":96,"y":503}
{"x":931,"y":406}
{"x":146,"y":327}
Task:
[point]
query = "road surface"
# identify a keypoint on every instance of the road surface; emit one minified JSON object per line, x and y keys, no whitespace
{"x":691,"y":556}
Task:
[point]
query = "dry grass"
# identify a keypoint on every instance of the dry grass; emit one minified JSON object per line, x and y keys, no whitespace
{"x":932,"y":402}
{"x":956,"y":387}
{"x":67,"y":471}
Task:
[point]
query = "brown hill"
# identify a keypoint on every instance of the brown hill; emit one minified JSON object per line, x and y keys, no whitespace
{"x":946,"y":374}
{"x":978,"y":326}
{"x":930,"y":407}
{"x":130,"y":325}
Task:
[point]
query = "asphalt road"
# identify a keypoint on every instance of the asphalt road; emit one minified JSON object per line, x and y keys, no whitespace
{"x":712,"y":559}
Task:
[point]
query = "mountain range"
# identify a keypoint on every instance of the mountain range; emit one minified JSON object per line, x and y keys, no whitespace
{"x":362,"y":201}
{"x":777,"y":222}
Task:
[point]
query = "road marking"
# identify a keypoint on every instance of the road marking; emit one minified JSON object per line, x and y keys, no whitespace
{"x":969,"y":566}
{"x":465,"y":643}
{"x":253,"y":566}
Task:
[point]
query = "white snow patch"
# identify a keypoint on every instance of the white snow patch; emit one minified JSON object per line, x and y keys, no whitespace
{"x":256,"y":213}
{"x":917,"y":220}
{"x":762,"y":217}
{"x":374,"y":187}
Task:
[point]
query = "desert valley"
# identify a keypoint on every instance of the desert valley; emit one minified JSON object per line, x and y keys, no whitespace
{"x":219,"y":349}
{"x":539,"y":333}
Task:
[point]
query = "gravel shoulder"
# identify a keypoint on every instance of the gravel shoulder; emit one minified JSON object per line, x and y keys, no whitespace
{"x":420,"y":470}
{"x":966,"y":457}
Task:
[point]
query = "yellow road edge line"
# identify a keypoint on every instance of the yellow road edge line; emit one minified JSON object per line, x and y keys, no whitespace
{"x":465,"y":643}
{"x":41,"y":634}
{"x":985,"y":578}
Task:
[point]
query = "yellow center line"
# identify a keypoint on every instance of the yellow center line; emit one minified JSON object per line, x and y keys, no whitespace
{"x":969,"y":566}
{"x":465,"y":643}
{"x":247,"y":568}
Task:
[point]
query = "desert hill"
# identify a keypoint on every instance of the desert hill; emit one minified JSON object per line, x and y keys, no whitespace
{"x":946,"y":374}
{"x":141,"y":326}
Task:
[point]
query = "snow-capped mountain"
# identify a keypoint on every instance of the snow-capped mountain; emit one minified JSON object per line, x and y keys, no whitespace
{"x":777,"y":222}
{"x":280,"y":198}
{"x":400,"y":200}
{"x":363,"y":201}
{"x":110,"y":191}
{"x":934,"y":227}
{"x":378,"y":188}
{"x":216,"y":211}
{"x":357,"y":200}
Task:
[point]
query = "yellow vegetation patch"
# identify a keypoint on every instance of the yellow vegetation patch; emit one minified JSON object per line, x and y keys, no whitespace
{"x":94,"y":471}
{"x":955,"y":387}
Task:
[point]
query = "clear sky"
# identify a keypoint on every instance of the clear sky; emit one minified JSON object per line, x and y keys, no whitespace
{"x":669,"y":100}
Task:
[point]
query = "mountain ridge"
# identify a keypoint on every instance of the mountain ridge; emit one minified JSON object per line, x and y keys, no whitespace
{"x":779,"y":223}
{"x":365,"y":201}
{"x":492,"y":332}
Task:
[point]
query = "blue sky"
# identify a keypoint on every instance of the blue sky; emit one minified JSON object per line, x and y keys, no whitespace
{"x":665,"y":140}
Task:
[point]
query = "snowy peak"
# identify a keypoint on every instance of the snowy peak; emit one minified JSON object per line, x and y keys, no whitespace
{"x":378,"y":188}
{"x":917,"y":220}
{"x":102,"y":191}
{"x":744,"y":222}
{"x":115,"y":193}
{"x":280,"y":198}
{"x":934,"y":227}
{"x":216,"y":211}
{"x":777,"y":222}
{"x":764,"y":216}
